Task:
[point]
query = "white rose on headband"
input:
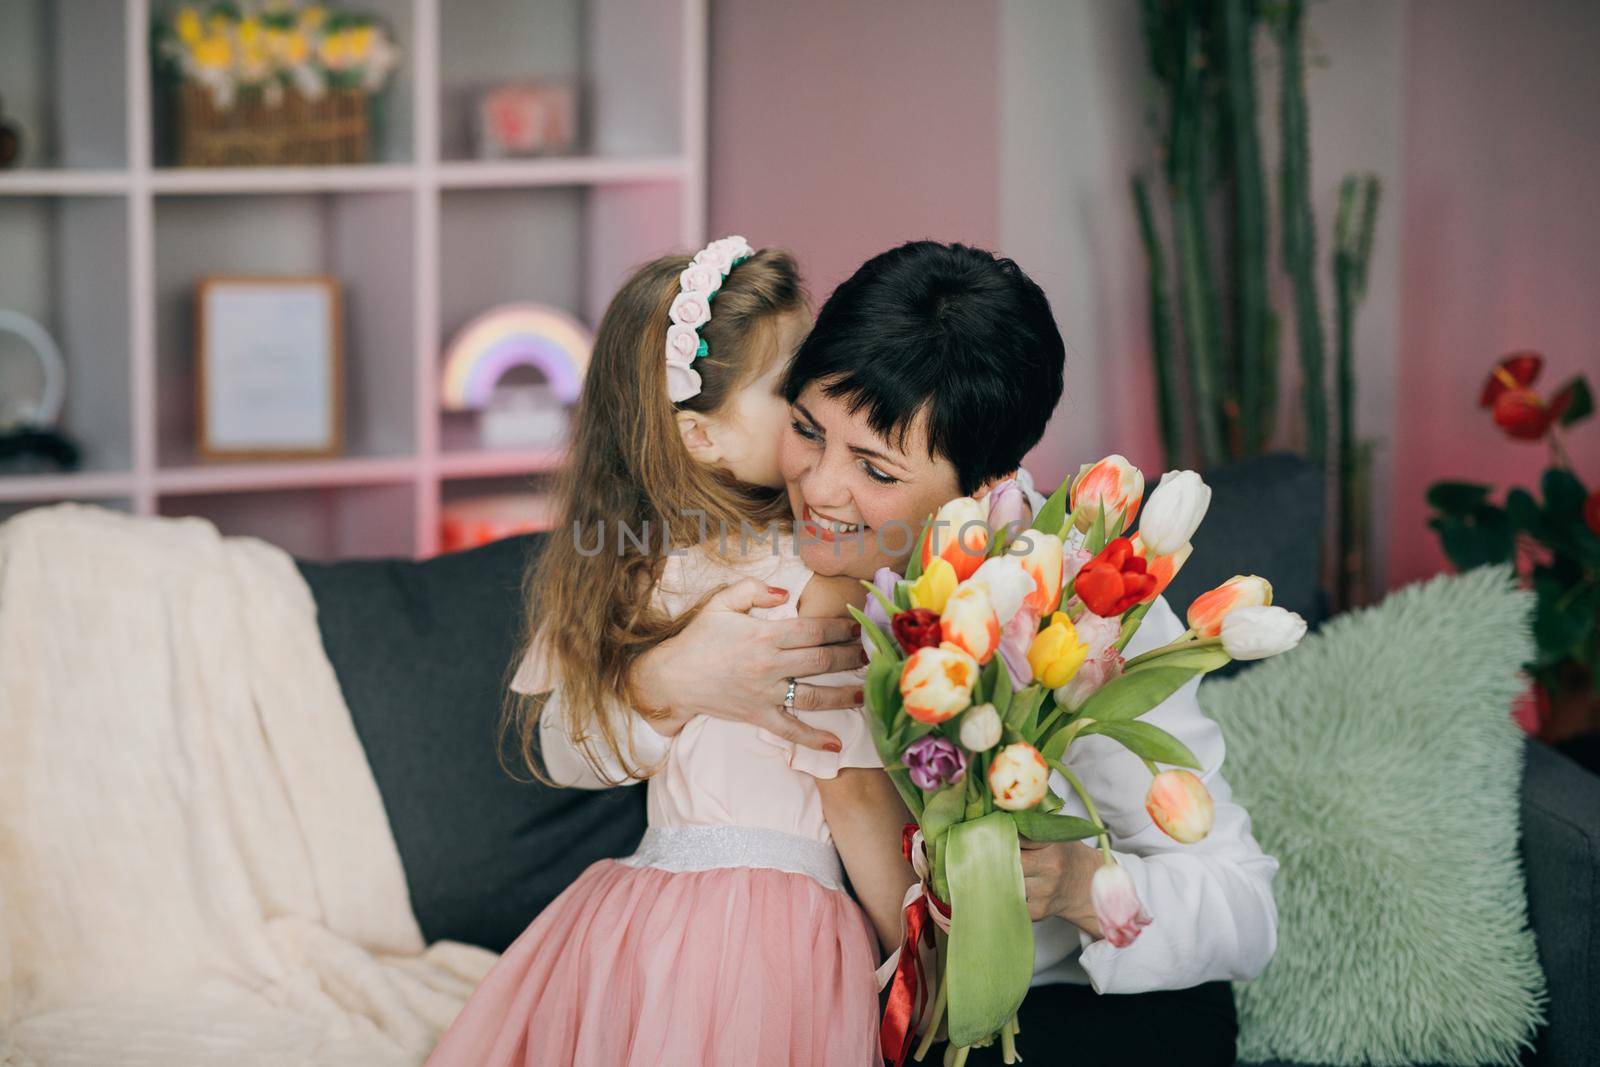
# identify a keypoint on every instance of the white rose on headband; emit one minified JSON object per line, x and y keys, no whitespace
{"x":700,"y":278}
{"x":738,"y":247}
{"x":682,"y":382}
{"x":690,"y":309}
{"x":683,"y":342}
{"x":717,"y":256}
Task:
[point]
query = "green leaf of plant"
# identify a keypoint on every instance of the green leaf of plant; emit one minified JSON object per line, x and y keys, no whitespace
{"x":902,"y":595}
{"x":1457,"y":498}
{"x":1038,"y":826}
{"x":989,"y":962}
{"x":1577,"y":398}
{"x":1524,"y":512}
{"x":879,"y":639}
{"x":1130,"y":623}
{"x":1097,"y":531}
{"x":1135,"y":693}
{"x":1053,"y":515}
{"x":1143,"y":739}
{"x":1563,"y":496}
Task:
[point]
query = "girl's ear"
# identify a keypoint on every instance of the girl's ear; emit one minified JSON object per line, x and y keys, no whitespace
{"x":695,"y":429}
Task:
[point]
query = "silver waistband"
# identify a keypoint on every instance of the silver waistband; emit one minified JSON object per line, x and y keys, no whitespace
{"x":706,"y":848}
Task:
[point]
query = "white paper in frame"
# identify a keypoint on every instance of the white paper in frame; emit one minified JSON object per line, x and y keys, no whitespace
{"x":269,"y":355}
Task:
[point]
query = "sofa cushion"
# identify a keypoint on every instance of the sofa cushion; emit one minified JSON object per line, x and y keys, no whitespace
{"x":1381,"y":767}
{"x":423,"y":652}
{"x":1265,"y":518}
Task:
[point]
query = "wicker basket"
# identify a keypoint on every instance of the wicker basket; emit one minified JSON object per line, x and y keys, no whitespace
{"x":252,"y":133}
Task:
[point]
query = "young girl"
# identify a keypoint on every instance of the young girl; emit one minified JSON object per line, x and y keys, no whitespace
{"x":728,"y":937}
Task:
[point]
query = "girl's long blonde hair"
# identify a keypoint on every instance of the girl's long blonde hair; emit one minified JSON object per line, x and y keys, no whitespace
{"x":589,"y":610}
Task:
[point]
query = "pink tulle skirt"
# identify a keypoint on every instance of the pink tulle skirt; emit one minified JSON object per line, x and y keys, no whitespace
{"x":640,"y":967}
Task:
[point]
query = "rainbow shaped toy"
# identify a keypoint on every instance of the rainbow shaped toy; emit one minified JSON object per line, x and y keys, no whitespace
{"x":511,"y":335}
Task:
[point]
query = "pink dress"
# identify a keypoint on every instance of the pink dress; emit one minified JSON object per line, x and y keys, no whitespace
{"x":727,"y":937}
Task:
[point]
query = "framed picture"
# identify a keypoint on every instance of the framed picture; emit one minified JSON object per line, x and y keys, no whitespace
{"x":269,"y":354}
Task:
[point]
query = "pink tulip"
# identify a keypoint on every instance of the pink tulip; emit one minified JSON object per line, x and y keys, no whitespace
{"x":1180,"y":804}
{"x":1116,"y":905}
{"x":1095,"y":672}
{"x":1008,"y":505}
{"x":1015,"y":640}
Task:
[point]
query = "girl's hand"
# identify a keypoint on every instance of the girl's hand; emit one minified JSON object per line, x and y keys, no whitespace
{"x":1056,"y":878}
{"x":728,"y":665}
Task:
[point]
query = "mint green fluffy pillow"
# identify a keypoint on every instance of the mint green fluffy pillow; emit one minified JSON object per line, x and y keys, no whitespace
{"x":1380,"y":765}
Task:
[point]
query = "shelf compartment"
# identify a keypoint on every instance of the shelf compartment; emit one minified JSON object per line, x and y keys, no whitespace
{"x":315,"y":523}
{"x":625,"y":58}
{"x":221,"y":181}
{"x":63,"y":76}
{"x":362,"y":239}
{"x":66,"y":266}
{"x":393,"y":114}
{"x":48,"y":182}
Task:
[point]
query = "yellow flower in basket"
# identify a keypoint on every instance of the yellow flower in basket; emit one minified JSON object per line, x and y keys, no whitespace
{"x":360,"y":43}
{"x":188,"y":26}
{"x":213,"y":52}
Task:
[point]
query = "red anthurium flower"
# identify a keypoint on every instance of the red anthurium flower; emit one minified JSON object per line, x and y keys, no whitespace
{"x":1515,"y":371}
{"x":1521,"y":414}
{"x":1591,"y":512}
{"x":917,"y":628}
{"x":1115,"y":580}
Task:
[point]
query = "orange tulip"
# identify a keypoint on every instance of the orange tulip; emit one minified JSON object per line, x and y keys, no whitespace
{"x":959,"y":535}
{"x":1164,"y":568}
{"x":1240,"y":591}
{"x":1180,"y":805}
{"x":936,"y":683}
{"x":1113,"y":483}
{"x":1042,"y":563}
{"x":969,"y":623}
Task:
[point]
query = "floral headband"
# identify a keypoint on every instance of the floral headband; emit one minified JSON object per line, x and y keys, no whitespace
{"x":691,"y":309}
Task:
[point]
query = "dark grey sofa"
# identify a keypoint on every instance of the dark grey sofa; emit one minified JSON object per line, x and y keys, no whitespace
{"x":423,"y":653}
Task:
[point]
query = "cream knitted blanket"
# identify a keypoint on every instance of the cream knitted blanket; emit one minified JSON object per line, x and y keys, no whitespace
{"x":195,"y":863}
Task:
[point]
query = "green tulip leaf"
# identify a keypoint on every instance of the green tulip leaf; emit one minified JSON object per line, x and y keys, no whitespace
{"x":1053,"y":515}
{"x":1201,"y":658}
{"x":914,"y":564}
{"x":1038,"y":826}
{"x":880,"y":640}
{"x":989,"y":963}
{"x":1001,"y":695}
{"x":1135,"y":692}
{"x":1150,"y":742}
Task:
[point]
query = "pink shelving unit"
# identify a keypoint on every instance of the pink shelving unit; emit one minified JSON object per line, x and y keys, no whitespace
{"x":103,"y":246}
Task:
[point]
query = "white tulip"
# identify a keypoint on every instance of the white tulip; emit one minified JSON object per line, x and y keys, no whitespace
{"x":1258,"y":632}
{"x":980,"y":728}
{"x":1008,"y":585}
{"x":1173,"y":512}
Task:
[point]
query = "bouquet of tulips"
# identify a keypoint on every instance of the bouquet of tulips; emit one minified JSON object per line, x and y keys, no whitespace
{"x":998,"y":649}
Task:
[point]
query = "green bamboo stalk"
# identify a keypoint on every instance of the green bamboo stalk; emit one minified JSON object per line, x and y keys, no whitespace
{"x":1249,"y":223}
{"x":1196,"y":291}
{"x":1299,"y":227}
{"x":1352,"y":241}
{"x":1167,"y":402}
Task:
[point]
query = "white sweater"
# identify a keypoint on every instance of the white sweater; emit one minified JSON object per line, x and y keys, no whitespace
{"x":1211,"y":902}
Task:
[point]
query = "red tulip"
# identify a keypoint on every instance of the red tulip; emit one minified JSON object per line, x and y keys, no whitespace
{"x":1115,"y":580}
{"x":1591,"y":512}
{"x":917,"y":628}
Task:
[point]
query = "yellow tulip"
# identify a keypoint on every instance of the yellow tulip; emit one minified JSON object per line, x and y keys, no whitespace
{"x":1057,"y":652}
{"x":933,"y":589}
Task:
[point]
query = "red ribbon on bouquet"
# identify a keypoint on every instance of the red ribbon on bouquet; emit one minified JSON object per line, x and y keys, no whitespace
{"x":908,"y":992}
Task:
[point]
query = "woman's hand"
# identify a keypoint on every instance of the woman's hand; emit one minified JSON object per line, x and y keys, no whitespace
{"x":728,"y":665}
{"x":1057,"y":878}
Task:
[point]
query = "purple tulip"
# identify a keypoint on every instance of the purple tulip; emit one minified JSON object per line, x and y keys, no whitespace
{"x":885,"y":580}
{"x":934,"y":762}
{"x":1009,"y":507}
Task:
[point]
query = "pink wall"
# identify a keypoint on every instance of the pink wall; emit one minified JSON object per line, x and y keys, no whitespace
{"x":1501,"y":240}
{"x":840,"y":128}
